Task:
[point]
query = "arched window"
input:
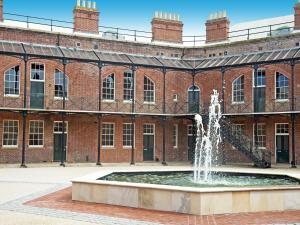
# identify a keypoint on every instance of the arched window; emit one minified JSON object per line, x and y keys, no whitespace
{"x":282,"y":86}
{"x":238,"y":94}
{"x":59,"y":82}
{"x":128,"y":86}
{"x":108,"y":90}
{"x":149,"y":90}
{"x":12,"y":81}
{"x":194,"y":99}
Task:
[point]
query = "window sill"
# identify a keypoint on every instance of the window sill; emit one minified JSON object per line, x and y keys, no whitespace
{"x":127,"y":101}
{"x":12,"y":96}
{"x":127,"y":147}
{"x":6,"y":147}
{"x":60,"y":99}
{"x":281,"y":100}
{"x":108,"y":147}
{"x":149,"y":103}
{"x":237,"y":103}
{"x":109,"y":101}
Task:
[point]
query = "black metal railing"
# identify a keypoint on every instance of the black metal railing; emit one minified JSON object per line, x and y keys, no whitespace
{"x":146,"y":36}
{"x":260,"y":157}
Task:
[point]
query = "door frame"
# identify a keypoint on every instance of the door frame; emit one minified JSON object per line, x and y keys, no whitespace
{"x":253,"y":88}
{"x":154,"y":132}
{"x":66,"y":133}
{"x":188,"y":99}
{"x":276,"y":141}
{"x":44,"y":81}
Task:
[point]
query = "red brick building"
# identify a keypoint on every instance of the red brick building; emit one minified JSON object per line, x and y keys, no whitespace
{"x":132,"y":98}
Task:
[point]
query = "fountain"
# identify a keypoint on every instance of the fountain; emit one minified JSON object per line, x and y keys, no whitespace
{"x":207,"y":143}
{"x":204,"y":191}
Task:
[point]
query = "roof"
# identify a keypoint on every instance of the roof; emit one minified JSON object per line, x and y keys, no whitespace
{"x":109,"y":58}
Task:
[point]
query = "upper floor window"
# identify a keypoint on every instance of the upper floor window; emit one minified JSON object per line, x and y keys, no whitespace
{"x":37,"y":72}
{"x":238,"y":94}
{"x":59,"y":84}
{"x":282,"y":86}
{"x":108,"y":90}
{"x":149,"y":90}
{"x":128,"y":86}
{"x":261,"y":78}
{"x":12,"y":81}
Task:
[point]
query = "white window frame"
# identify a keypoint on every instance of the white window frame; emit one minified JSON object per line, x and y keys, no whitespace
{"x":128,"y":146}
{"x":253,"y":81}
{"x":175,"y":135}
{"x":10,"y":146}
{"x":38,"y":63}
{"x":67,"y":87}
{"x":257,"y":135}
{"x":134,"y":84}
{"x":232,"y":91}
{"x":108,"y":100}
{"x":12,"y":95}
{"x":154,"y":92}
{"x":37,"y":146}
{"x":275,"y":82}
{"x":114,"y":135}
{"x":188,"y":126}
{"x":60,"y":132}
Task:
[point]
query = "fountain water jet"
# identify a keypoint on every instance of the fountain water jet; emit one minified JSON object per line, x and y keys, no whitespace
{"x":207,"y":142}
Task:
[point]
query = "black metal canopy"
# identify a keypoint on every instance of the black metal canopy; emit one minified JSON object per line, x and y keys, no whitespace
{"x":197,"y":64}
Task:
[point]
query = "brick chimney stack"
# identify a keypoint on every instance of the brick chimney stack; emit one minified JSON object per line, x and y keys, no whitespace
{"x":297,"y":15}
{"x":167,"y":27}
{"x":86,"y":17}
{"x":217,"y":27}
{"x":1,"y":10}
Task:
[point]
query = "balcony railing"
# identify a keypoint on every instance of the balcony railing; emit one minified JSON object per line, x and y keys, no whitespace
{"x":119,"y":33}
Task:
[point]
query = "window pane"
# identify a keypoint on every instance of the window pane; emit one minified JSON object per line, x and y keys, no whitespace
{"x":128,"y":86}
{"x":59,"y":81}
{"x":238,"y":90}
{"x":148,"y":90}
{"x":10,"y":132}
{"x":36,"y":134}
{"x":108,"y":89}
{"x":108,"y":134}
{"x":12,"y":81}
{"x":282,"y":86}
{"x":128,"y":129}
{"x":37,"y":72}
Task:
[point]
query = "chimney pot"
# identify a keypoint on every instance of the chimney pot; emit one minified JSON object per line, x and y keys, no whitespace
{"x":94,"y":5}
{"x":89,"y":4}
{"x":83,"y":3}
{"x":78,"y":4}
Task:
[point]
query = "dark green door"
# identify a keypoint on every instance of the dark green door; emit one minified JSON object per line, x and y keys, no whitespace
{"x":193,"y":100}
{"x":190,"y":148}
{"x":282,"y":148}
{"x":148,"y":152}
{"x":260,"y":93}
{"x":37,"y":95}
{"x":58,"y":146}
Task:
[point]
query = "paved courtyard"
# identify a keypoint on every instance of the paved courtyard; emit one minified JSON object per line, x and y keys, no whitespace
{"x":46,"y":191}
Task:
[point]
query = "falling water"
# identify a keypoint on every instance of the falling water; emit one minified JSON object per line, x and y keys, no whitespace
{"x":207,"y":142}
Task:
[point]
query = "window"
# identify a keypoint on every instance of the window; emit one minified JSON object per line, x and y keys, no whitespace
{"x":37,"y":72}
{"x":58,"y":127}
{"x":149,"y":90}
{"x":175,"y":136}
{"x":191,"y":130}
{"x":108,"y":130}
{"x":148,"y":129}
{"x":59,"y":82}
{"x":12,"y":81}
{"x":128,"y":86}
{"x":10,"y":133}
{"x":282,"y":128}
{"x":260,"y":137}
{"x":238,"y":90}
{"x":36,"y":133}
{"x":128,"y":129}
{"x":282,"y":87}
{"x":108,"y":90}
{"x":261,"y":78}
{"x":238,"y":129}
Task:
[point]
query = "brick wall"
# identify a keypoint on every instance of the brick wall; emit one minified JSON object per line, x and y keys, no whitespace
{"x":86,"y":20}
{"x":297,"y":15}
{"x":217,"y":30}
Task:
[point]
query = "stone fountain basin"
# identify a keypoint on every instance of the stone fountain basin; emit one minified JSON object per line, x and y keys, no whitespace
{"x":196,"y":201}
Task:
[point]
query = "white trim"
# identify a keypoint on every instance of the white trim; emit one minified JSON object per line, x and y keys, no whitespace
{"x":37,"y":63}
{"x":37,"y":146}
{"x":253,"y":82}
{"x":232,"y":89}
{"x":134,"y":141}
{"x":102,"y":87}
{"x":154,"y":135}
{"x":176,"y":131}
{"x":134,"y":85}
{"x":114,"y":136}
{"x":189,"y":125}
{"x":9,"y":146}
{"x":154,"y":90}
{"x":12,"y":95}
{"x":278,"y":134}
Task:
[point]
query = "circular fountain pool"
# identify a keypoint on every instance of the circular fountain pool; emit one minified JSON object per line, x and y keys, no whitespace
{"x":185,"y":179}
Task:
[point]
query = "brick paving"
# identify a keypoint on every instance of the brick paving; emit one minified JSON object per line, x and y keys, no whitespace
{"x":61,"y":200}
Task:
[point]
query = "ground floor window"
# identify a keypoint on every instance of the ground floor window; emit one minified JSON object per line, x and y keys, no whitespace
{"x":282,"y":128}
{"x":175,"y":136}
{"x":58,"y":127}
{"x":260,"y":135}
{"x":128,"y":131}
{"x":108,"y":133}
{"x":148,"y":129}
{"x":238,"y":130}
{"x":36,"y":133}
{"x":10,"y":133}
